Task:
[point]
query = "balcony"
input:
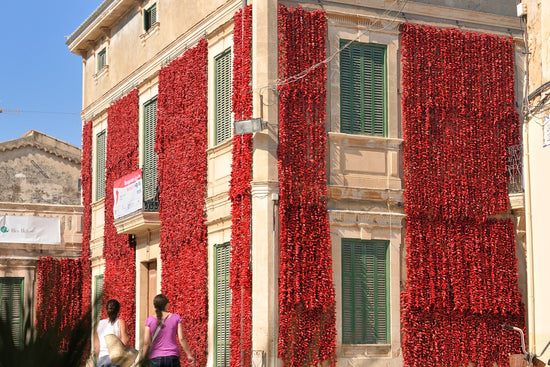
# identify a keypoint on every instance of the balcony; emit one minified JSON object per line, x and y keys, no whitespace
{"x":147,"y":218}
{"x":514,"y":169}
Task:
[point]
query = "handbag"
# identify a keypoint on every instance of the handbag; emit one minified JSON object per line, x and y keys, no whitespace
{"x":120,"y":354}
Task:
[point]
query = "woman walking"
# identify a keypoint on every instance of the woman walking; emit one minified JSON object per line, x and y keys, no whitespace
{"x":111,"y":325}
{"x":162,"y":333}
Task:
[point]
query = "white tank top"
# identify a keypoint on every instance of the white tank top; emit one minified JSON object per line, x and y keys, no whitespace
{"x":105,"y":327}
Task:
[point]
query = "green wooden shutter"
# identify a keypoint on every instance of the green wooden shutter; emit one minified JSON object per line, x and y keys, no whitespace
{"x":98,"y":297}
{"x":101,"y":59}
{"x":365,"y":293}
{"x":149,"y":17}
{"x":223,"y":97}
{"x":349,"y":314}
{"x":153,"y":14}
{"x":149,"y":154}
{"x":11,"y":307}
{"x":223,"y":304}
{"x":101,"y":146}
{"x":363,"y":89}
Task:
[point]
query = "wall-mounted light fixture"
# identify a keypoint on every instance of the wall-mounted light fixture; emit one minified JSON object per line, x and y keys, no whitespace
{"x":249,"y":126}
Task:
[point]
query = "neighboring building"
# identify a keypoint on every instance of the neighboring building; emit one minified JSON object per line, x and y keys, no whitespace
{"x":124,"y":45}
{"x":536,"y":155}
{"x":40,"y":214}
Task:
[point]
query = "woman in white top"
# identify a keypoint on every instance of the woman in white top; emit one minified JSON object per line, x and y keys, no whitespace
{"x":111,"y":325}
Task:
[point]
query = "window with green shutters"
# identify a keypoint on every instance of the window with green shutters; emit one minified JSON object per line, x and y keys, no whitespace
{"x":365,"y":291}
{"x":149,"y":154}
{"x":98,"y":298}
{"x":149,"y":17}
{"x":363,"y":100}
{"x":101,"y":59}
{"x":11,"y":306}
{"x":222,"y":93}
{"x":101,"y":152}
{"x":223,"y":304}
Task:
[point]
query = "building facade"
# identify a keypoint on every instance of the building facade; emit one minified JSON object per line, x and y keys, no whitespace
{"x":125,"y":46}
{"x":536,"y":153}
{"x":40,"y":216}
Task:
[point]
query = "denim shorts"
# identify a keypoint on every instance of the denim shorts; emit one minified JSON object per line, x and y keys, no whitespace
{"x":168,"y":361}
{"x":105,"y":362}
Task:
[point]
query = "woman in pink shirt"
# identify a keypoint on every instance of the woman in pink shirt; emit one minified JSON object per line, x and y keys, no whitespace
{"x":163,"y":348}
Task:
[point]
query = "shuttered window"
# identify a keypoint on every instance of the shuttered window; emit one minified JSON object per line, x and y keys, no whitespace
{"x":149,"y":17}
{"x":149,"y":154}
{"x":101,"y":59}
{"x":101,"y":145}
{"x":223,"y":97}
{"x":223,"y":304}
{"x":11,"y":306}
{"x":363,"y":89}
{"x":365,"y":292}
{"x":98,"y":298}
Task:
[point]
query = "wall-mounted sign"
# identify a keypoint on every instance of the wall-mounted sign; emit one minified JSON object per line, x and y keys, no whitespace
{"x":128,"y":194}
{"x":30,"y":229}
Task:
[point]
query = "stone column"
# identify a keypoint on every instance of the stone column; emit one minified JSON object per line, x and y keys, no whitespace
{"x":265,"y":267}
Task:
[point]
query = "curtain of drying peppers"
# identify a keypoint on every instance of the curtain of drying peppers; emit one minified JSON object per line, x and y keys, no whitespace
{"x":63,"y":285}
{"x":58,"y":295}
{"x":307,"y":334}
{"x":181,"y":147}
{"x":86,"y":184}
{"x":239,"y":194}
{"x":118,"y":249}
{"x":458,"y":119}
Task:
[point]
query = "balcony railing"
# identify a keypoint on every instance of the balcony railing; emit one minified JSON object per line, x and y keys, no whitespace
{"x":150,"y":189}
{"x":152,"y":205}
{"x":515,"y":169}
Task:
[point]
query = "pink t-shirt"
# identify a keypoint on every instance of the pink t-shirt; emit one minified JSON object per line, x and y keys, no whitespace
{"x":166,"y":342}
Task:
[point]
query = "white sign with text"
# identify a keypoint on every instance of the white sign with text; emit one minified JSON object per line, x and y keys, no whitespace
{"x":30,"y":229}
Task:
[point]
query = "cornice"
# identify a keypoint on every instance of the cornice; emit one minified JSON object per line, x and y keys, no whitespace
{"x":221,"y":17}
{"x":93,"y":28}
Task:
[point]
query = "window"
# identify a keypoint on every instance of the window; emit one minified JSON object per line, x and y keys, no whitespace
{"x":222,"y":92}
{"x":11,"y":308}
{"x":363,"y":89}
{"x":98,"y":298}
{"x":149,"y":17}
{"x":101,"y":59}
{"x":149,"y":155}
{"x":365,"y":293}
{"x":101,"y":145}
{"x":222,"y":300}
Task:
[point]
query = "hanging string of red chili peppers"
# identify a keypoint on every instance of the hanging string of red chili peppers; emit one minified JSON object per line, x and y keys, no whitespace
{"x":458,"y":119}
{"x":181,"y":147}
{"x":307,"y":333}
{"x":239,"y":194}
{"x":58,"y":294}
{"x":118,"y":249}
{"x":86,"y":185}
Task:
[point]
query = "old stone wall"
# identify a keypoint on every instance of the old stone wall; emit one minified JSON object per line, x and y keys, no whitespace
{"x":30,"y":175}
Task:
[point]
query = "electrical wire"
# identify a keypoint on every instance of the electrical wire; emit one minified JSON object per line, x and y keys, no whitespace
{"x":294,"y":78}
{"x":18,"y":111}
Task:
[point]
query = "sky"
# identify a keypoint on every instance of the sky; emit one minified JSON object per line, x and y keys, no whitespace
{"x":40,"y":79}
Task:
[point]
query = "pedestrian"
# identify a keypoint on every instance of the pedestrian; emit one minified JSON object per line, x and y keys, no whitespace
{"x":111,"y":325}
{"x":162,"y":333}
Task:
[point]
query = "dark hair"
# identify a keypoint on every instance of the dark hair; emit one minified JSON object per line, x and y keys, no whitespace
{"x":112,"y":307}
{"x":160,"y":301}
